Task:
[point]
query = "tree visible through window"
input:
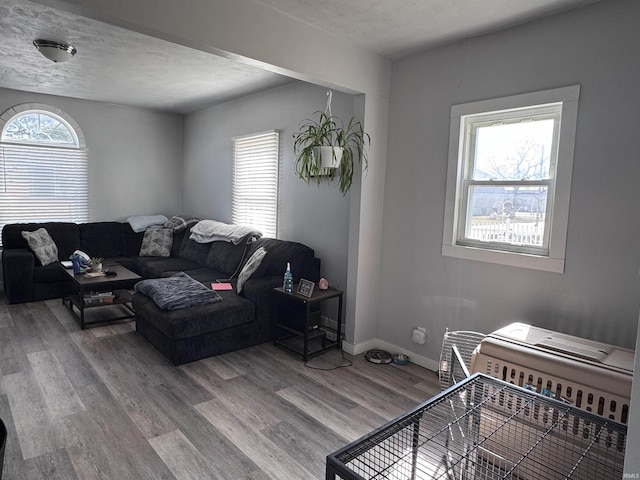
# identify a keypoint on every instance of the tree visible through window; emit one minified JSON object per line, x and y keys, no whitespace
{"x":509,"y":179}
{"x":43,"y":167}
{"x":511,"y":170}
{"x":39,"y":128}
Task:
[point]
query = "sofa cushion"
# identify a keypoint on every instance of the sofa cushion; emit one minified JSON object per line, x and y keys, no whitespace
{"x":178,"y":240}
{"x":225,"y":257}
{"x":279,"y":252}
{"x":132,"y":240}
{"x":127,"y":262}
{"x":50,"y":273}
{"x":42,"y":245}
{"x":103,"y":239}
{"x":153,"y":267}
{"x":66,"y":236}
{"x":157,"y":242}
{"x":233,"y":310}
{"x":206,"y":275}
{"x":194,"y":251}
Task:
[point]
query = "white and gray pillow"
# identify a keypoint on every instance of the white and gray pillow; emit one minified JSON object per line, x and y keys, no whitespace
{"x":43,"y":246}
{"x":250,"y":267}
{"x":157,"y":242}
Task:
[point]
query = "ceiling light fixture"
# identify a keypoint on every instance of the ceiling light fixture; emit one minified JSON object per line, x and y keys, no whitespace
{"x":55,"y":51}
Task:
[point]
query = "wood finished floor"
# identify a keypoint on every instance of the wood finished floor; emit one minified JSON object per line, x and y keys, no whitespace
{"x":104,"y":404}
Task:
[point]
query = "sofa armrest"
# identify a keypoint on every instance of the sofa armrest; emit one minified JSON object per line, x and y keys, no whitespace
{"x":17,"y":268}
{"x":260,"y":292}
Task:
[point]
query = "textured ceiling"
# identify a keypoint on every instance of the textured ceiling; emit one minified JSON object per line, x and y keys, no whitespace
{"x":115,"y":65}
{"x":123,"y":67}
{"x":395,"y":28}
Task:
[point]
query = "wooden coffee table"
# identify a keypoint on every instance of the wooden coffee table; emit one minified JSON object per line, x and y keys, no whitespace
{"x":102,"y":291}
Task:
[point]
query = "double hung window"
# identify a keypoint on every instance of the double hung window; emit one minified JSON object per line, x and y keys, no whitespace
{"x":509,"y":179}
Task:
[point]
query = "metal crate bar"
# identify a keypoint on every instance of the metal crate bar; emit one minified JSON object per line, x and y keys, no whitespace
{"x":485,"y":428}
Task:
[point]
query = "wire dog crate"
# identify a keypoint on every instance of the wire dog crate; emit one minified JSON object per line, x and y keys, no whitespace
{"x":466,"y":342}
{"x":485,"y":428}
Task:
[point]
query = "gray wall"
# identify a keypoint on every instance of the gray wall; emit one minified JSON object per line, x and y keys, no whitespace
{"x":597,"y":296}
{"x":632,"y":461}
{"x":315,"y":216}
{"x":135,"y":155}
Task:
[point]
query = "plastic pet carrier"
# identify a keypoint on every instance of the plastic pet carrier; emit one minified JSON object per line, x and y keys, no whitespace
{"x":589,"y":375}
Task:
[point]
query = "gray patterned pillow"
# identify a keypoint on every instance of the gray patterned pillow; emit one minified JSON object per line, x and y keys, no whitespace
{"x":250,"y":267}
{"x":180,"y":223}
{"x":157,"y":242}
{"x":42,"y":245}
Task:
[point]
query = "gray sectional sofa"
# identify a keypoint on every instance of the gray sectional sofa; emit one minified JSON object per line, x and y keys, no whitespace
{"x":238,"y":321}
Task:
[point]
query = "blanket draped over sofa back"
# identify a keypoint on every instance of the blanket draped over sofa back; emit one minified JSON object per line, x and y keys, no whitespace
{"x":206,"y":231}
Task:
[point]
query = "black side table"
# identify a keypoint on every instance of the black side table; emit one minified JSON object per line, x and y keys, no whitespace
{"x":304,"y":336}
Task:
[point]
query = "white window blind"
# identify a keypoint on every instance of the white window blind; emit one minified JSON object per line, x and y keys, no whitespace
{"x":43,"y":167}
{"x":40,"y":184}
{"x":255,"y":181}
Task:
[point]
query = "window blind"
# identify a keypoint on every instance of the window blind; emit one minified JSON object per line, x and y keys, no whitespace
{"x":255,"y":181}
{"x":39,"y":184}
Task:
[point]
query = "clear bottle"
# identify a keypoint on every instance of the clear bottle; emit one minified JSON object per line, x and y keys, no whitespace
{"x":287,"y":284}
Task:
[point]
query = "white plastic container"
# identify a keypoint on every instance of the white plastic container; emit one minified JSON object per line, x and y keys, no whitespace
{"x":590,"y":375}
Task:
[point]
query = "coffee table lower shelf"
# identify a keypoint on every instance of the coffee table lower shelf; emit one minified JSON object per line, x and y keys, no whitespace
{"x":120,"y":308}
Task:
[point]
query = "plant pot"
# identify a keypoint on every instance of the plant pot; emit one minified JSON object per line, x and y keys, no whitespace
{"x":330,"y":157}
{"x":96,"y":268}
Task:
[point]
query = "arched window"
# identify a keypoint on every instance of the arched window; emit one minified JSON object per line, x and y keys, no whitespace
{"x":43,"y":166}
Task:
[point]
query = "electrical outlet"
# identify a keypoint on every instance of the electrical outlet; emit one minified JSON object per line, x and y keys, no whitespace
{"x":419,"y":335}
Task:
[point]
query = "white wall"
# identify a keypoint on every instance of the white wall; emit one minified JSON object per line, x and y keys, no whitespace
{"x":315,"y":216}
{"x":135,"y":155}
{"x":597,"y":296}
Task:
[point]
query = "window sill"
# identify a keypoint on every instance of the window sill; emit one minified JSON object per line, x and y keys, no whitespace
{"x":512,"y":259}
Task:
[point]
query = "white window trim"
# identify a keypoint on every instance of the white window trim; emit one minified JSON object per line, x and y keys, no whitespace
{"x":12,"y":112}
{"x":555,"y":261}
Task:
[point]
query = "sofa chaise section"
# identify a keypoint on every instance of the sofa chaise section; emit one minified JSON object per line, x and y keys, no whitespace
{"x":197,"y":332}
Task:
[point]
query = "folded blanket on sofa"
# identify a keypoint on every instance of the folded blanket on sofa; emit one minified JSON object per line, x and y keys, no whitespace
{"x":177,"y":291}
{"x":206,"y":231}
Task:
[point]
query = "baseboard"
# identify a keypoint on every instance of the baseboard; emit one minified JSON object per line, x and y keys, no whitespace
{"x":362,"y":347}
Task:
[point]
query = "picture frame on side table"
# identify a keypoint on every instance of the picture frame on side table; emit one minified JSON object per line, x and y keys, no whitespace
{"x":305,"y":288}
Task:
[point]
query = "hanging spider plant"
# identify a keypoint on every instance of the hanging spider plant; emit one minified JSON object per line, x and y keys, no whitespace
{"x":326,"y":150}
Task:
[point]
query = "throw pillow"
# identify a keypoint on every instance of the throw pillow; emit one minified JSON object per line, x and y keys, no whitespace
{"x":250,"y":267}
{"x":157,"y":242}
{"x":179,"y":223}
{"x":42,"y":245}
